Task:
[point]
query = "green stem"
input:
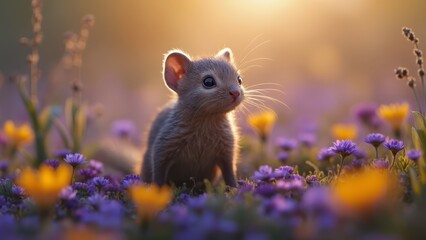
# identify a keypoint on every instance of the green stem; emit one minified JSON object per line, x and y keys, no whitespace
{"x":417,"y":100}
{"x":393,"y":162}
{"x":39,"y":136}
{"x":377,"y":152}
{"x":341,"y":165}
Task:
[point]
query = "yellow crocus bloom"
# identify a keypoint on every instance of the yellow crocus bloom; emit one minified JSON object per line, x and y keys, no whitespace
{"x":344,"y":131}
{"x":18,"y":136}
{"x":43,"y":185}
{"x":394,"y":114}
{"x":262,"y":123}
{"x":362,"y":191}
{"x":149,"y":200}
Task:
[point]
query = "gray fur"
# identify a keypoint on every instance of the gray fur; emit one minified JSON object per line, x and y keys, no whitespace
{"x":195,"y":134}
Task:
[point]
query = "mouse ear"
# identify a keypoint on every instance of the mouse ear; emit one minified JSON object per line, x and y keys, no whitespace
{"x":226,"y":54}
{"x":176,"y":64}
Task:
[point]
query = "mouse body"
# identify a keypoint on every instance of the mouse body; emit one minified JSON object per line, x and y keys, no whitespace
{"x":194,"y":137}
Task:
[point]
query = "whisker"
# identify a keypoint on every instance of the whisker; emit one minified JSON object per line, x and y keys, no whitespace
{"x":249,"y":67}
{"x":261,"y":84}
{"x":262,"y":91}
{"x":254,"y":60}
{"x":256,"y":96}
{"x":253,"y":49}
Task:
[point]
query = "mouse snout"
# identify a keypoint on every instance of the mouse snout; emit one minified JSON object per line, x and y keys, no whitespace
{"x":235,"y":93}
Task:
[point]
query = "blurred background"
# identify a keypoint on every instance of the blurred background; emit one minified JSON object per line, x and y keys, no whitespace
{"x":326,"y":55}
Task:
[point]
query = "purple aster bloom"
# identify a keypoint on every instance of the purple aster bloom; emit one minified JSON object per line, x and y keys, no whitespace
{"x":318,"y":203}
{"x":283,"y":156}
{"x":83,"y":189}
{"x":325,"y":154}
{"x":67,"y":193}
{"x":74,"y":159}
{"x":3,"y":140}
{"x":375,"y":139}
{"x":198,"y":202}
{"x":263,"y":174}
{"x":130,"y":180}
{"x":266,"y":190}
{"x":279,"y":205}
{"x":18,"y":191}
{"x":381,"y":164}
{"x":357,"y":163}
{"x":4,"y":165}
{"x":99,"y":182}
{"x":367,"y":114}
{"x":307,"y":139}
{"x":312,"y":180}
{"x":52,"y":162}
{"x":123,"y":128}
{"x":87,"y":174}
{"x":359,"y":154}
{"x":343,"y":147}
{"x":96,"y":166}
{"x":295,"y":184}
{"x":62,"y":153}
{"x":287,"y":144}
{"x":394,"y":145}
{"x":108,"y":215}
{"x":283,"y":172}
{"x":414,"y":154}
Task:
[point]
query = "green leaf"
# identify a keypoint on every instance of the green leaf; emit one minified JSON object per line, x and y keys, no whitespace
{"x":419,"y":120}
{"x":415,"y":183}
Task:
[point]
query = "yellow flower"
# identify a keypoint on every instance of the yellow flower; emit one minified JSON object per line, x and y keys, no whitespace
{"x":394,"y":114}
{"x":18,"y":135}
{"x":262,"y":123}
{"x":149,"y":200}
{"x":362,"y":191}
{"x":44,"y":185}
{"x":344,"y":131}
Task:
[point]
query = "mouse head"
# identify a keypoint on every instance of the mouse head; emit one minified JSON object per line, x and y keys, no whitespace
{"x":208,"y":85}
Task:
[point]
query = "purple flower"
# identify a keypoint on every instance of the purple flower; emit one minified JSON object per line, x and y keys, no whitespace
{"x":130,"y":180}
{"x":307,"y":139}
{"x":263,"y":174}
{"x":52,"y":162}
{"x":18,"y":191}
{"x":357,"y":163}
{"x":359,"y":154}
{"x":414,"y":154}
{"x":375,"y":139}
{"x":283,"y":156}
{"x":312,"y":180}
{"x":367,"y":114}
{"x":266,"y":190}
{"x":295,"y":184}
{"x":381,"y":164}
{"x":96,"y":166}
{"x":99,"y":182}
{"x":74,"y":159}
{"x":62,"y":153}
{"x":67,"y":193}
{"x":283,"y":172}
{"x":325,"y":154}
{"x":394,"y":145}
{"x":123,"y":128}
{"x":287,"y":144}
{"x":83,"y":189}
{"x":4,"y":165}
{"x":343,"y":147}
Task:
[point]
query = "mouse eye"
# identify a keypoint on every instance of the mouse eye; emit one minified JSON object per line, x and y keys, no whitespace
{"x":240,"y":80}
{"x":209,"y":82}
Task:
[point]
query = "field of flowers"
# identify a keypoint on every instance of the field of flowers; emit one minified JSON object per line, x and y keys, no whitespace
{"x":373,"y":188}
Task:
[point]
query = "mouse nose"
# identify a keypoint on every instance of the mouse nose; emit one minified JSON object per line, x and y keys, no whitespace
{"x":235,"y":94}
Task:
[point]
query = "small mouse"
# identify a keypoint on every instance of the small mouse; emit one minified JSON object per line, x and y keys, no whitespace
{"x":195,"y":134}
